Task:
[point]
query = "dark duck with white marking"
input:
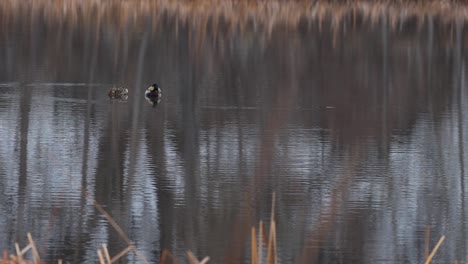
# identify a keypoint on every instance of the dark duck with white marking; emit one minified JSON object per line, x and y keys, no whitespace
{"x":153,"y":91}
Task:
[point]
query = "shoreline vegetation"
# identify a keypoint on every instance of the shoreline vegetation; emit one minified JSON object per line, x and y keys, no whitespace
{"x":263,"y":14}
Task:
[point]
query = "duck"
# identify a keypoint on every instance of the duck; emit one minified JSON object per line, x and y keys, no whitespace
{"x":153,"y":91}
{"x":118,"y":93}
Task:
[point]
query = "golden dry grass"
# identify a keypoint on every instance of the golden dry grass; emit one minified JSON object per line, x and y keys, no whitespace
{"x":19,"y":257}
{"x":270,"y":241}
{"x":267,"y":14}
{"x":258,"y":240}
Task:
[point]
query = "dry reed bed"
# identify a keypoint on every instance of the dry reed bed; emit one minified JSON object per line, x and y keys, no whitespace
{"x":260,"y":243}
{"x":236,"y":14}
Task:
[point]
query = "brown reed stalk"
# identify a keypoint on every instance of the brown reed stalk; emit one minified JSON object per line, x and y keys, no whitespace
{"x":264,"y":235}
{"x":261,"y":237}
{"x":253,"y":247}
{"x":121,"y":254}
{"x":112,"y":223}
{"x":18,"y":252}
{"x":24,"y":250}
{"x":101,"y":258}
{"x":167,"y":254}
{"x":106,"y":253}
{"x":273,"y":203}
{"x":271,"y":246}
{"x":205,"y":260}
{"x":275,"y":245}
{"x":257,"y":239}
{"x":428,"y":238}
{"x":37,"y":259}
{"x":193,"y":260}
{"x":120,"y":232}
{"x":272,"y":250}
{"x":164,"y":255}
{"x":429,"y":258}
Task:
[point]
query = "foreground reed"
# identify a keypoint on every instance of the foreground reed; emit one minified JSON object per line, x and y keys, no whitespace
{"x":20,"y":258}
{"x":260,"y":242}
{"x":257,"y":240}
{"x":257,"y":248}
{"x":428,"y":256}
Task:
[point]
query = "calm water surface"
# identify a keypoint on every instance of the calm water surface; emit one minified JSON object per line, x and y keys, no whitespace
{"x":359,"y":131}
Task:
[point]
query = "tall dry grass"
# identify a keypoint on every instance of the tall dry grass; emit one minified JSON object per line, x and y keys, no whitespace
{"x":233,"y":15}
{"x":260,"y":243}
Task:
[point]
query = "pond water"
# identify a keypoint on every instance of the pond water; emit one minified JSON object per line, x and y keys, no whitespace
{"x":358,"y":129}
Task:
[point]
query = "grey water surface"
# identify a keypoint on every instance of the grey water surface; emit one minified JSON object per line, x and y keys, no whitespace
{"x":360,"y":133}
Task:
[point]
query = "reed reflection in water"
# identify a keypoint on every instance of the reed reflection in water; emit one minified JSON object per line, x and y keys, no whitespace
{"x":357,"y":128}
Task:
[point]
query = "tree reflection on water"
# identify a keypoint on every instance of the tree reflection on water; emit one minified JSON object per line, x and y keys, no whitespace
{"x":354,"y":121}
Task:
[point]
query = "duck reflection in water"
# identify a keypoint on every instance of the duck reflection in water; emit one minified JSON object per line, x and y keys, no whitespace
{"x":153,"y":101}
